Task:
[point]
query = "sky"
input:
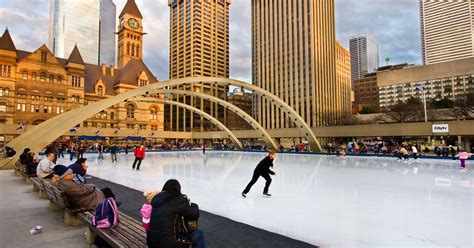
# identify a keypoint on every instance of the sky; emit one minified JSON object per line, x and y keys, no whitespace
{"x":395,"y":24}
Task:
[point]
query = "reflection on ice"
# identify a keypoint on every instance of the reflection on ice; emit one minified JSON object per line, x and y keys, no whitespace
{"x":323,"y":200}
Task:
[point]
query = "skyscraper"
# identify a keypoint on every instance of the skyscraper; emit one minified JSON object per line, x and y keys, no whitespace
{"x":364,"y":51}
{"x":447,"y":30}
{"x":294,"y":57}
{"x":88,"y":23}
{"x":199,"y":46}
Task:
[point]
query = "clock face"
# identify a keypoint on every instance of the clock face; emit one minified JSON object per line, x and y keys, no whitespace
{"x":133,"y":23}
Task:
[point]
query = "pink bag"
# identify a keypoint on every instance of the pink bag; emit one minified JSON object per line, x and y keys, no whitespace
{"x":104,"y":218}
{"x":146,"y":215}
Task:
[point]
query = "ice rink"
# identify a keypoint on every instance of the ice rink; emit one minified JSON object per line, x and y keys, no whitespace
{"x":322,"y":200}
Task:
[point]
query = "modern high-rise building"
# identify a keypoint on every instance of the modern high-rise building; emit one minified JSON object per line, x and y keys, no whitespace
{"x":447,"y":30}
{"x":343,"y":79}
{"x":88,"y":23}
{"x":199,"y":47}
{"x":364,"y":55}
{"x":294,"y":57}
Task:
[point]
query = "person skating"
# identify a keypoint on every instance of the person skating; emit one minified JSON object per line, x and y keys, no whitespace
{"x":139,"y":156}
{"x":263,"y":170}
{"x":463,"y":156}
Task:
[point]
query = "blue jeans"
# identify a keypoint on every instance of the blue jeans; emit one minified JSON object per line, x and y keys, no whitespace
{"x":198,"y":239}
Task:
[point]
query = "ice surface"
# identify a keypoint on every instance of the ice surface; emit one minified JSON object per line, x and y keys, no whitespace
{"x":322,"y":200}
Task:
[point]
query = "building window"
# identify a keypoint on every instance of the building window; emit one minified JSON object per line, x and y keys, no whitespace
{"x":128,"y":48}
{"x":75,"y":99}
{"x":33,"y":76}
{"x":138,"y":51}
{"x":25,"y":75}
{"x":154,"y":113}
{"x":51,"y":79}
{"x":142,"y":126}
{"x":43,"y":56}
{"x":42,"y":77}
{"x":142,"y":83}
{"x":5,"y":70}
{"x":130,"y":111}
{"x":3,"y":107}
{"x":60,"y":80}
{"x":35,"y":108}
{"x":130,"y":126}
{"x":20,"y":107}
{"x":76,"y":81}
{"x":100,"y":90}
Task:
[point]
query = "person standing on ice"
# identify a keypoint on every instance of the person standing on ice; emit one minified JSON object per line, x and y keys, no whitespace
{"x":262,"y":170}
{"x":139,"y":156}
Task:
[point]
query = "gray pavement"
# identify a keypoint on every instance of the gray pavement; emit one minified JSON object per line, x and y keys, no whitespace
{"x":21,"y":209}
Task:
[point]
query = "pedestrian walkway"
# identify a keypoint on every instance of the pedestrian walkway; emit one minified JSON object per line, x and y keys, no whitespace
{"x":21,"y":209}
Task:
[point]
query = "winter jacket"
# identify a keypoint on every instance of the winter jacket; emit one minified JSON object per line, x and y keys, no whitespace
{"x":139,"y":152}
{"x":264,"y":166}
{"x":166,"y":215}
{"x":81,"y":195}
{"x":463,"y":155}
{"x":45,"y":168}
{"x":77,"y":169}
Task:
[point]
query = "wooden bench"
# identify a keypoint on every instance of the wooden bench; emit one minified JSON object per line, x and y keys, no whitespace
{"x":58,"y":201}
{"x":128,"y":232}
{"x":38,"y":186}
{"x":18,"y":168}
{"x":25,"y":175}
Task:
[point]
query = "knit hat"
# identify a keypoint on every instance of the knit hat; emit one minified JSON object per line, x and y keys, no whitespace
{"x":62,"y":171}
{"x":149,"y":195}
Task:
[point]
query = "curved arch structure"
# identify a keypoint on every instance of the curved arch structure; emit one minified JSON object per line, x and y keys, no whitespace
{"x":46,"y":132}
{"x":250,"y":120}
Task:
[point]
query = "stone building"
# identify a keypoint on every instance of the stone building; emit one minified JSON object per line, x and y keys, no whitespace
{"x":35,"y":86}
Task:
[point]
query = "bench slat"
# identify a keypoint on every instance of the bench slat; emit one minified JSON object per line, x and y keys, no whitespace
{"x":125,"y":234}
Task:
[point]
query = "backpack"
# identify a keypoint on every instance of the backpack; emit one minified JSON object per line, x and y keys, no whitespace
{"x":106,"y":214}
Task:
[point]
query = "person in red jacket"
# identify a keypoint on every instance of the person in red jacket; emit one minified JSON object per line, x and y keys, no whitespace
{"x":139,"y":156}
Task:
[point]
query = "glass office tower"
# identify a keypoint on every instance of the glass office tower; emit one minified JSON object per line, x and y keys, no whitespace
{"x":88,"y":23}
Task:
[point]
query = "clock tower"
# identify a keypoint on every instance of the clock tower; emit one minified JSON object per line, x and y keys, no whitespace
{"x":130,"y":34}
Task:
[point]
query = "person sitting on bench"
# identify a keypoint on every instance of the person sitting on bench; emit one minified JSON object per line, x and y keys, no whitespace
{"x":46,"y":166}
{"x":173,"y":221}
{"x":79,"y":195}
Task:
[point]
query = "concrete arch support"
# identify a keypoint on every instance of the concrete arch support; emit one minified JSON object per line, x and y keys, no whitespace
{"x":250,"y":120}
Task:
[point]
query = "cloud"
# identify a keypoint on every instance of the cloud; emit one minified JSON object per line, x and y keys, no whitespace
{"x":394,"y":23}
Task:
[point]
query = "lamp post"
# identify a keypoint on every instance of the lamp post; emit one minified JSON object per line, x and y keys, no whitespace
{"x":424,"y":100}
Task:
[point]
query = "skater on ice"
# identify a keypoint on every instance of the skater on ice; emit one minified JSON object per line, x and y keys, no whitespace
{"x":263,"y":170}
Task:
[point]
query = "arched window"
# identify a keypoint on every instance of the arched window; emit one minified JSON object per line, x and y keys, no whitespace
{"x":103,"y":115}
{"x":138,"y":51}
{"x":6,"y":92}
{"x":33,"y":76}
{"x":112,"y":115}
{"x":51,"y":79}
{"x":43,"y":77}
{"x":130,"y":111}
{"x":25,"y":75}
{"x":60,"y":80}
{"x":3,"y":107}
{"x":133,"y":49}
{"x":154,"y":113}
{"x":100,"y":90}
{"x":128,"y":48}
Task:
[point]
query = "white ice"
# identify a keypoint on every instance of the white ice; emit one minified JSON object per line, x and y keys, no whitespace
{"x":322,"y":200}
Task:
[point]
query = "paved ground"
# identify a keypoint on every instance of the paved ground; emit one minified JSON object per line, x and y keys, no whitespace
{"x":21,"y":209}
